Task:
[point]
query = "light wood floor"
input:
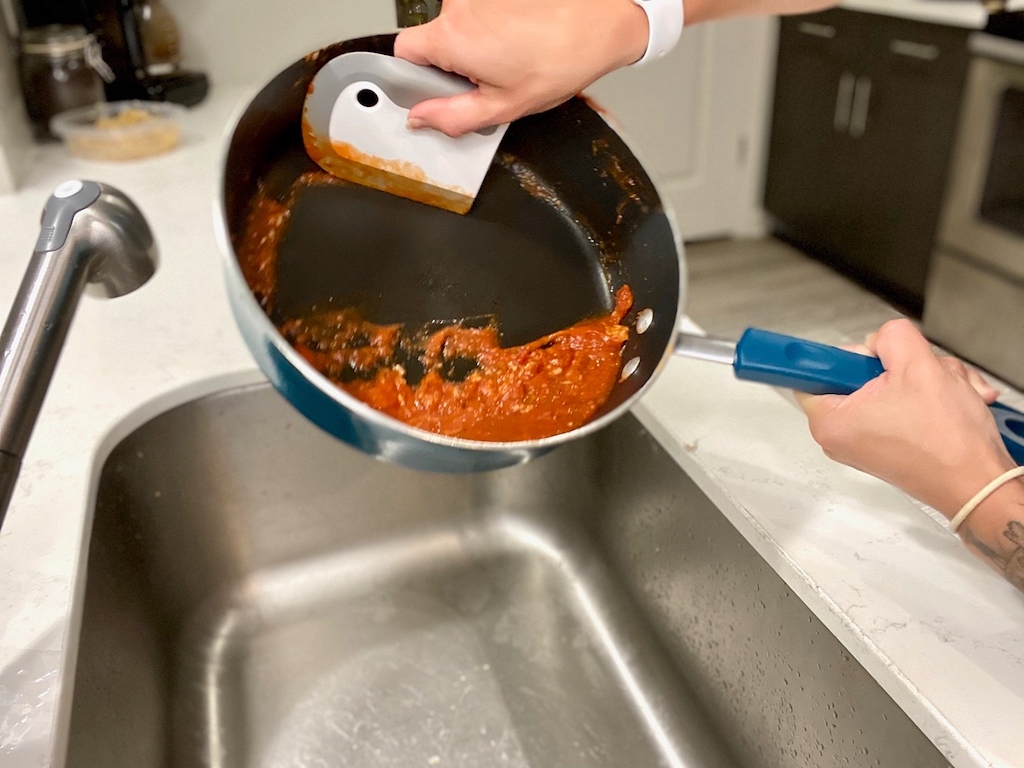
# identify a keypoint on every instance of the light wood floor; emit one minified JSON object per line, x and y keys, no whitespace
{"x":738,"y":284}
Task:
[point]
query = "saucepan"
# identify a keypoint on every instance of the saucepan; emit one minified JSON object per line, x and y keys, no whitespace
{"x":566,"y":217}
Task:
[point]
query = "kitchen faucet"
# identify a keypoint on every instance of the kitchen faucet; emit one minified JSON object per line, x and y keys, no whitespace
{"x":91,"y":234}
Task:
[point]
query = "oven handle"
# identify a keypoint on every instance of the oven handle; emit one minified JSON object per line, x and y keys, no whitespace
{"x":998,"y":48}
{"x":844,"y":102}
{"x":922,"y":51}
{"x":826,"y":31}
{"x":861,"y":106}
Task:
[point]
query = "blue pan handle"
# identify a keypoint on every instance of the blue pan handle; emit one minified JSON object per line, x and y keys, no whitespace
{"x":785,"y":361}
{"x":818,"y":369}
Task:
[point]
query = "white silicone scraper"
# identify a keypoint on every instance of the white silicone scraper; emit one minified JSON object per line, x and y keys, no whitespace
{"x":354,"y":127}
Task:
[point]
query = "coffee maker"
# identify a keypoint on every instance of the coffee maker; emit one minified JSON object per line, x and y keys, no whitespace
{"x":119,"y":28}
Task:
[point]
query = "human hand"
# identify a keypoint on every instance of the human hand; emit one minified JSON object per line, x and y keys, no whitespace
{"x":923,"y":425}
{"x":524,"y":57}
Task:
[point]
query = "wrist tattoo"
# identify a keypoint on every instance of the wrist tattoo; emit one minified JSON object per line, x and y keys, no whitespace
{"x":1011,"y":560}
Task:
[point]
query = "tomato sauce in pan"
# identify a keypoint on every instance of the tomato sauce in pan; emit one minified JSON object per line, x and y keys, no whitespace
{"x":470,"y":386}
{"x":455,"y":380}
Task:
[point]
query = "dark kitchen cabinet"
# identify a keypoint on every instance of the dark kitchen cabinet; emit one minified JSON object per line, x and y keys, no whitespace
{"x":865,"y":114}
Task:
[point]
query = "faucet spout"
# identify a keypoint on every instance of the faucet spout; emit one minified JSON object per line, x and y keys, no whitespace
{"x":91,"y":234}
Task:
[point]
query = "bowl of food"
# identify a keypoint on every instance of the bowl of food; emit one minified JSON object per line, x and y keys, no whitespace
{"x":120,"y":131}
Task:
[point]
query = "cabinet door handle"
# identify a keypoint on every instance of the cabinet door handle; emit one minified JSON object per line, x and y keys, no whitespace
{"x":861,"y":105}
{"x":844,"y":102}
{"x":922,"y":51}
{"x":817,"y":30}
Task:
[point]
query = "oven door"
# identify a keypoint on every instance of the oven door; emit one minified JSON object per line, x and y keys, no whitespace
{"x":984,"y":214}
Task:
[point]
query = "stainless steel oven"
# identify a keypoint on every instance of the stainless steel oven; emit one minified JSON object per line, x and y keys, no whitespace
{"x":974,"y":303}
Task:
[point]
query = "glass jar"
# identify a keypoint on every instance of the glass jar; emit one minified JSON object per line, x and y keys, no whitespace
{"x":161,"y":41}
{"x":60,"y":68}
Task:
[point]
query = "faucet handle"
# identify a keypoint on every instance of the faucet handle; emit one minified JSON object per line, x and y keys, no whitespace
{"x":98,"y":227}
{"x":67,"y":200}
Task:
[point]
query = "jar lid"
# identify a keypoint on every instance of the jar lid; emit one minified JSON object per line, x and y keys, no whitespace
{"x":55,"y":40}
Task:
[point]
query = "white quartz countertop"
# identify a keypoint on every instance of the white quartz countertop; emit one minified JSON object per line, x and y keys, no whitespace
{"x":941,"y":633}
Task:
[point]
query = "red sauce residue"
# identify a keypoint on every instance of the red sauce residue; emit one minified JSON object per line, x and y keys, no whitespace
{"x":396,"y":177}
{"x":258,"y":248}
{"x":543,"y":388}
{"x":456,"y":380}
{"x":265,"y":226}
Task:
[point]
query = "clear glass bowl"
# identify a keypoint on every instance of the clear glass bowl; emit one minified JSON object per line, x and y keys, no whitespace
{"x":120,"y":131}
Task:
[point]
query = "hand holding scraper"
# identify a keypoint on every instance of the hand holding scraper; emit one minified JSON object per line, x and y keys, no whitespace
{"x":355,"y":127}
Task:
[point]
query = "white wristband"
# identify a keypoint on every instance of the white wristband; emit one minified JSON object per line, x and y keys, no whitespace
{"x":983,"y":494}
{"x":665,"y":20}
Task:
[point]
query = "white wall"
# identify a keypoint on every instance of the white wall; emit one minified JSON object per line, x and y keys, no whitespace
{"x":249,"y":41}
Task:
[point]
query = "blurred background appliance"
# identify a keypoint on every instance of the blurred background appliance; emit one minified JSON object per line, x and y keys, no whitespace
{"x":139,"y":41}
{"x":975,"y":298}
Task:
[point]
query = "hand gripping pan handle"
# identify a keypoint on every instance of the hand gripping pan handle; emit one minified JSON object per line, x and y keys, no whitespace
{"x":818,"y":369}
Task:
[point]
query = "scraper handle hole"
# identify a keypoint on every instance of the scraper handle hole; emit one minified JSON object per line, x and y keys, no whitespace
{"x":367,"y":98}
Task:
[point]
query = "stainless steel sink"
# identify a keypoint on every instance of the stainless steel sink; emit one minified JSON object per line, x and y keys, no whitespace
{"x":260,"y":595}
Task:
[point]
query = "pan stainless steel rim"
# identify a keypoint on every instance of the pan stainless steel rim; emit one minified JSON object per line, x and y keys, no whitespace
{"x":349,"y":419}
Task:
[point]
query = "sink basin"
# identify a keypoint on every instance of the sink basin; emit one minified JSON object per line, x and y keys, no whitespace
{"x":258,"y":594}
